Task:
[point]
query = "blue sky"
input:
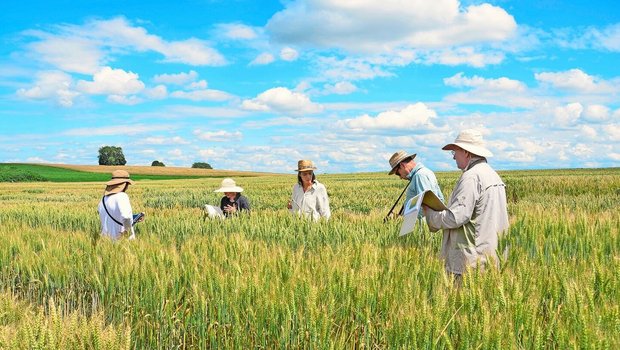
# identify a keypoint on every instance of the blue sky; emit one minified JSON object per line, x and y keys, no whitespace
{"x":258,"y":85}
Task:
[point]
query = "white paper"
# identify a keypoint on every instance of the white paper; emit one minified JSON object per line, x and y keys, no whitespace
{"x":410,"y":214}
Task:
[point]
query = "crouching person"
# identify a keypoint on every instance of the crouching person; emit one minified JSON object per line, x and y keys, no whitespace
{"x":117,"y":218}
{"x":232,"y":203}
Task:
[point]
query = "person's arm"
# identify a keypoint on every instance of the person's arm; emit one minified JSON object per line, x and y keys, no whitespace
{"x":244,"y":203}
{"x":124,"y":207}
{"x":460,"y":210}
{"x":322,"y":203}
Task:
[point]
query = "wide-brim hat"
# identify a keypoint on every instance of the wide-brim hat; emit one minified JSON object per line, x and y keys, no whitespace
{"x":471,"y":141}
{"x":398,"y":157}
{"x":229,"y":185}
{"x":305,"y":165}
{"x":118,"y":181}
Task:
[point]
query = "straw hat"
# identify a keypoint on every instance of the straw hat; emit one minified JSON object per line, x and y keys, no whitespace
{"x":398,"y":157}
{"x":119,"y":179}
{"x":305,"y":165}
{"x":471,"y":141}
{"x":229,"y":185}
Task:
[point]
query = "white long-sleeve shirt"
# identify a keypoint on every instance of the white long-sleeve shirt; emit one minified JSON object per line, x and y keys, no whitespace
{"x":120,"y":208}
{"x":313,"y":203}
{"x":477,"y":213}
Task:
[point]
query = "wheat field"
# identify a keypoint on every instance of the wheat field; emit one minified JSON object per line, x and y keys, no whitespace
{"x":269,"y":280}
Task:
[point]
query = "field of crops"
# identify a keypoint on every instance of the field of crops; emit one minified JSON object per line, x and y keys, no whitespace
{"x":273,"y":281}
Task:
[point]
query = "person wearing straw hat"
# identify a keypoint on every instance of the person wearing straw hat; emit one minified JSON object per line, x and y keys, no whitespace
{"x":477,"y":209}
{"x":233,"y":201}
{"x":420,"y":178}
{"x":309,"y":198}
{"x":115,"y":212}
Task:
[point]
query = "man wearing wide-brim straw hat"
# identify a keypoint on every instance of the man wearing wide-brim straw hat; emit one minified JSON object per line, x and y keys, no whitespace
{"x":115,"y":211}
{"x":477,"y":209}
{"x":309,"y":198}
{"x":420,"y":178}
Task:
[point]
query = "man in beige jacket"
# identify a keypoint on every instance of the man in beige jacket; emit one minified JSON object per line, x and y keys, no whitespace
{"x":477,"y":210}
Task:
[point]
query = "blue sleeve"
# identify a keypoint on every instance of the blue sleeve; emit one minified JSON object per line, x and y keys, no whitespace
{"x":244,"y":203}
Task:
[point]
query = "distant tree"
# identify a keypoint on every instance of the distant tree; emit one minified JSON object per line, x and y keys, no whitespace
{"x":201,"y":165}
{"x":157,"y":163}
{"x":111,"y":155}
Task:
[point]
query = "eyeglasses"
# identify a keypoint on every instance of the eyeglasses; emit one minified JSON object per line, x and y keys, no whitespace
{"x":453,"y":152}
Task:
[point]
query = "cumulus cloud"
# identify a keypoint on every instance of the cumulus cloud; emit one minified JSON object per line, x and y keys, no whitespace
{"x":86,"y":48}
{"x":340,"y":88}
{"x":499,"y":92}
{"x":282,"y":100}
{"x":54,"y":85}
{"x":389,"y":24}
{"x":218,"y":136}
{"x":596,"y":113}
{"x":568,"y":114}
{"x":237,"y":31}
{"x":110,"y":81}
{"x":613,"y":131}
{"x":156,"y":93}
{"x":289,"y":54}
{"x":461,"y":56}
{"x":575,"y":80}
{"x":176,"y":79}
{"x":124,"y":100}
{"x":413,"y":117}
{"x":263,"y":58}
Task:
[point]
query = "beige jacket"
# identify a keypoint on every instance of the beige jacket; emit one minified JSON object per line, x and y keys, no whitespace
{"x":477,"y":214}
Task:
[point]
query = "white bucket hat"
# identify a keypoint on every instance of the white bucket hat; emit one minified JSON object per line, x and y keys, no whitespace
{"x":471,"y":141}
{"x":229,"y":185}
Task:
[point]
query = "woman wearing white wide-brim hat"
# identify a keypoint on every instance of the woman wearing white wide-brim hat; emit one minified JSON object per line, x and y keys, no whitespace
{"x":309,"y":197}
{"x":477,"y":210}
{"x":233,"y":201}
{"x":117,"y":218}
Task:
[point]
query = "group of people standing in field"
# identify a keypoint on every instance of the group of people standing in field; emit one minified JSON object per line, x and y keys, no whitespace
{"x":476,"y":216}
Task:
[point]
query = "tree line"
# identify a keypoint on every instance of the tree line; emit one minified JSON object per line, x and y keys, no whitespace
{"x":112,"y":155}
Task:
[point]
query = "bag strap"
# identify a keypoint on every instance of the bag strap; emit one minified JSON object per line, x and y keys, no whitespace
{"x":110,"y":215}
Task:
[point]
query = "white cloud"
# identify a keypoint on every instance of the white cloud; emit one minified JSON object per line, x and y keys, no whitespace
{"x":613,"y":130}
{"x":68,"y":53}
{"x":85,"y":48}
{"x":110,"y":81}
{"x":588,"y":132}
{"x":202,"y":95}
{"x":176,"y":79}
{"x":575,"y":80}
{"x":340,"y":88}
{"x":499,"y":92}
{"x":282,"y":100}
{"x":351,"y":69}
{"x":218,"y":136}
{"x":156,"y":93}
{"x":596,"y":113}
{"x":158,"y":140}
{"x":237,"y":31}
{"x":176,"y":152}
{"x":289,"y":54}
{"x":568,"y":114}
{"x":461,"y":56}
{"x":54,"y":85}
{"x":413,"y":117}
{"x":197,"y":85}
{"x":373,"y":26}
{"x":582,"y":150}
{"x":263,"y":58}
{"x":124,"y":100}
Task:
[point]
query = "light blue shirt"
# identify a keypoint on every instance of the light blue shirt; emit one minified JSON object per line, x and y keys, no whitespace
{"x":423,"y":179}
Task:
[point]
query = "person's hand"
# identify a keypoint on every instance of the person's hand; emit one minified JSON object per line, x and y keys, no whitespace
{"x":425,"y":208}
{"x":141,"y":218}
{"x":289,"y":205}
{"x":230,"y":209}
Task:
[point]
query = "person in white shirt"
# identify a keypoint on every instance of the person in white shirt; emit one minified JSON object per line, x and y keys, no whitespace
{"x":477,"y":210}
{"x":115,"y":212}
{"x":309,"y":198}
